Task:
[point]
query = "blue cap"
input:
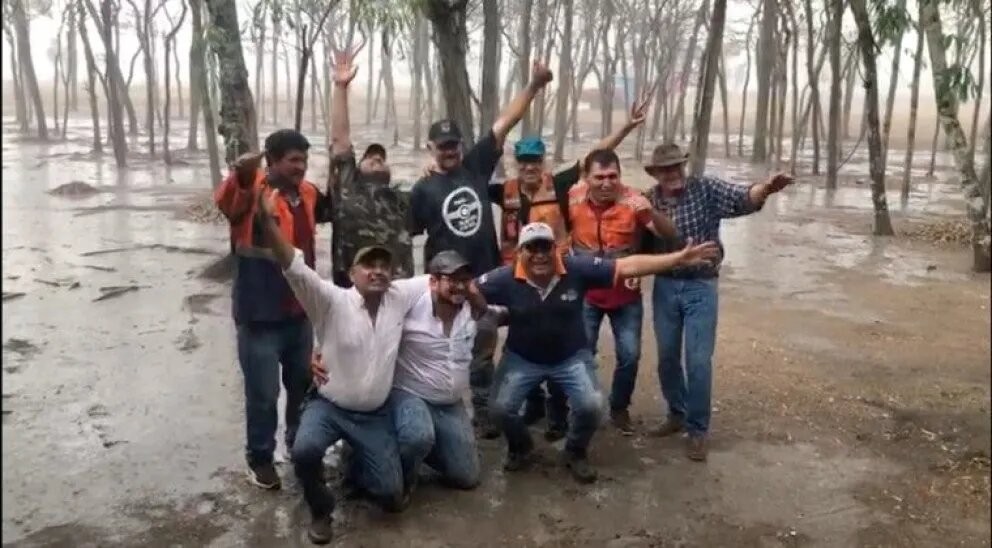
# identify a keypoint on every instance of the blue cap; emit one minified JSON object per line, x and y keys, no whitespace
{"x":529,"y":146}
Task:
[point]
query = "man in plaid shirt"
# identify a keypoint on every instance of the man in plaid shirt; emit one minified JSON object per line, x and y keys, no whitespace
{"x":685,"y":299}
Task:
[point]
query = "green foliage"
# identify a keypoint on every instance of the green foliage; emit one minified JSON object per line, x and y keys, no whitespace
{"x":957,"y":81}
{"x":890,"y":21}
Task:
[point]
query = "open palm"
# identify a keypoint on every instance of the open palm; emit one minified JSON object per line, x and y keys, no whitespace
{"x":345,"y":68}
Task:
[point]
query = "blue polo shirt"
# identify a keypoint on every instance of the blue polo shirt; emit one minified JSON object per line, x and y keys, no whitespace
{"x":550,"y":330}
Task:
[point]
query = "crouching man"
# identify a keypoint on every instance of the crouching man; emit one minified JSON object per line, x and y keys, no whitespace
{"x":546,"y":340}
{"x":432,"y":376}
{"x":359,"y":330}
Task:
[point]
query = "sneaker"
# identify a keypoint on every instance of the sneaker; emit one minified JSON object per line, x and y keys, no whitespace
{"x":517,"y":461}
{"x":621,"y":420}
{"x":264,"y":476}
{"x":321,"y":530}
{"x":581,"y":470}
{"x":696,"y":448}
{"x":485,"y":429}
{"x":671,"y":426}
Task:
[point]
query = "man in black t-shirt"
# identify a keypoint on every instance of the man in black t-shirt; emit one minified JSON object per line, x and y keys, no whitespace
{"x":453,"y":205}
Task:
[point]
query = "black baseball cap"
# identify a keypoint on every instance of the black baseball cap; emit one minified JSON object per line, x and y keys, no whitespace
{"x":446,"y":263}
{"x":374,"y":148}
{"x":444,"y":131}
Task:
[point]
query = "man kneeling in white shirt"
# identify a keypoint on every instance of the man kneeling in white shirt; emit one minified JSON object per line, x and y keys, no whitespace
{"x":359,"y":330}
{"x":432,"y":376}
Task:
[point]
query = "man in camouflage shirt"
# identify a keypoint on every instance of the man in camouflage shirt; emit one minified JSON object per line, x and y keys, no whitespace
{"x":366,"y":208}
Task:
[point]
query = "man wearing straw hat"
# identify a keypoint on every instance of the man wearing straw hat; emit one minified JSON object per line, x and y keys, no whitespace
{"x":685,"y":298}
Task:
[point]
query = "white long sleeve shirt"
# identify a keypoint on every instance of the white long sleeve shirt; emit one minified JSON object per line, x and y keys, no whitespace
{"x":430,"y":364}
{"x":360,"y":357}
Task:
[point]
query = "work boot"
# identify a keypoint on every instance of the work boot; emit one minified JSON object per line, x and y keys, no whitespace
{"x":517,"y":461}
{"x":579,"y":466}
{"x":696,"y":448}
{"x":264,"y":476}
{"x":621,"y":420}
{"x":555,"y":432}
{"x":321,"y":530}
{"x":484,"y":428}
{"x":672,"y":425}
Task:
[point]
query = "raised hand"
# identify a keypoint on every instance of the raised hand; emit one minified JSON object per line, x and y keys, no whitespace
{"x":246,"y":165}
{"x":540,"y":75}
{"x":345,"y":68}
{"x":698,"y":255}
{"x":779,"y":181}
{"x":265,"y":205}
{"x":639,"y":110}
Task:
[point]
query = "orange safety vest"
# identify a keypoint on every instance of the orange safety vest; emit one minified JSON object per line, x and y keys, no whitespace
{"x":519,"y":209}
{"x":229,"y":196}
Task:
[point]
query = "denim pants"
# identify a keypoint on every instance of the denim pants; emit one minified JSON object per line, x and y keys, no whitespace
{"x":685,"y":312}
{"x":261,"y":349}
{"x":375,"y":455}
{"x":626,"y":325}
{"x":440,"y":435}
{"x":481,"y":367}
{"x":516,"y":377}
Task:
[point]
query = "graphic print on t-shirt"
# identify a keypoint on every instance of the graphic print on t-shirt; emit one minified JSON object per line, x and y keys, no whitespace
{"x":462,"y":212}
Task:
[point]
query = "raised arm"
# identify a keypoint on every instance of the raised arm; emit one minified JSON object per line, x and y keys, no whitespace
{"x":540,"y":76}
{"x":344,"y":72}
{"x":314,"y":294}
{"x":634,"y":266}
{"x":638,"y":113}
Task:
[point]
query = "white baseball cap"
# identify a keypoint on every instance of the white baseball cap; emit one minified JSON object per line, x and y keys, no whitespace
{"x":534,"y":232}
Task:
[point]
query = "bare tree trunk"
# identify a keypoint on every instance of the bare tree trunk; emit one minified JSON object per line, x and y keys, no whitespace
{"x":20,"y":102}
{"x":196,"y":97}
{"x":288,"y":72}
{"x":714,"y":45}
{"x":914,"y":102}
{"x":490,"y":62}
{"x":782,"y":69}
{"x":524,"y":60}
{"x":429,"y":72}
{"x":75,"y":13}
{"x":180,"y":105}
{"x":116,"y":116}
{"x":27,"y":65}
{"x":722,"y":75}
{"x":314,"y":93}
{"x":836,"y":8}
{"x":170,"y":41}
{"x":564,"y":83}
{"x":850,"y":75}
{"x":276,"y":32}
{"x":893,"y":81}
{"x":451,"y":39}
{"x":198,"y":74}
{"x":690,"y":54}
{"x":978,"y":13}
{"x":420,"y":62}
{"x":56,"y":74}
{"x":747,"y":81}
{"x":91,"y":76}
{"x":108,"y":17}
{"x":237,"y":111}
{"x":882,"y":225}
{"x":371,"y":81}
{"x":259,"y":25}
{"x":933,"y":150}
{"x":794,"y":131}
{"x":387,"y":76}
{"x":814,"y":86}
{"x":947,"y":106}
{"x":766,"y":63}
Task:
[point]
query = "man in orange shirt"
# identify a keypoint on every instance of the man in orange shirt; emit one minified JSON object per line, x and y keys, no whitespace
{"x":609,"y":220}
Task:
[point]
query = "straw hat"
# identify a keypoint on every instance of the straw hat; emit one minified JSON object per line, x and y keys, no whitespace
{"x":666,"y":155}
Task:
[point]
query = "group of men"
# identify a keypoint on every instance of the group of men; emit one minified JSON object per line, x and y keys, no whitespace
{"x":395,"y":354}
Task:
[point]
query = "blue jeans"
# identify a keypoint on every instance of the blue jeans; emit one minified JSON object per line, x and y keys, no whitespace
{"x":375,"y":455}
{"x":686,"y":310}
{"x":261,"y":348}
{"x":440,"y":435}
{"x":626,"y":324}
{"x":516,"y":377}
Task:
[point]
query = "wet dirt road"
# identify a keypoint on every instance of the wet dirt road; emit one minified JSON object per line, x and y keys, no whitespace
{"x":852,"y":388}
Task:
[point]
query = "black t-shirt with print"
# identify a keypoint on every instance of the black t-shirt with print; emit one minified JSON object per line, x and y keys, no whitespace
{"x":455,"y":209}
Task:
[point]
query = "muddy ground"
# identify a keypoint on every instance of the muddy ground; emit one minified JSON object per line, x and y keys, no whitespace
{"x":851,"y":400}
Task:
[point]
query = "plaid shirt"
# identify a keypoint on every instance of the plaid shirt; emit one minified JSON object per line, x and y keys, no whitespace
{"x":697,"y":214}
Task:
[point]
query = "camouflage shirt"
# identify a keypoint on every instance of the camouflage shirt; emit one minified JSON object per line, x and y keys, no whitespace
{"x":367,"y":212}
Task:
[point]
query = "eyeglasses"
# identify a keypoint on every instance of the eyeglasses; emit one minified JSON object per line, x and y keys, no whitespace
{"x":539,"y":246}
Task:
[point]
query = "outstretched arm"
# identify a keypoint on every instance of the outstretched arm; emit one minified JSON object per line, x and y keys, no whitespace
{"x":638,"y":113}
{"x":540,"y":76}
{"x":634,"y":266}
